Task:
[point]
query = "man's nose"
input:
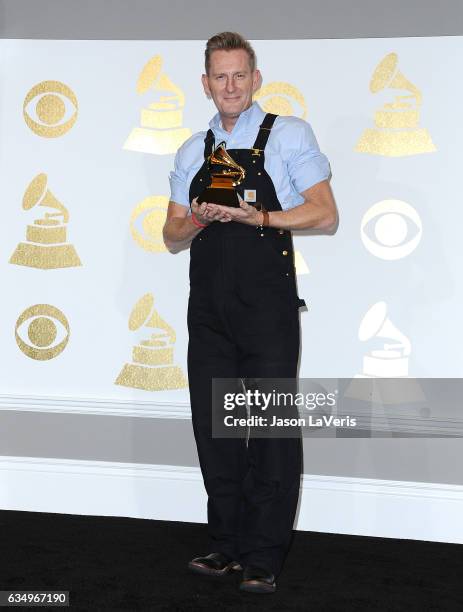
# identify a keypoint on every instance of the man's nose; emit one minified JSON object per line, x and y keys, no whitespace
{"x":230,"y":84}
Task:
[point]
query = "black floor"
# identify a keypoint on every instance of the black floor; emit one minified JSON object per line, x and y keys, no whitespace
{"x":110,"y":563}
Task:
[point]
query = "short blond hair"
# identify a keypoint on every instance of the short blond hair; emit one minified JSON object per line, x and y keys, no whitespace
{"x":227,"y":41}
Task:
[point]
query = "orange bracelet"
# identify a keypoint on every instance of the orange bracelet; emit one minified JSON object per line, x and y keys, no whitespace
{"x":196,"y":222}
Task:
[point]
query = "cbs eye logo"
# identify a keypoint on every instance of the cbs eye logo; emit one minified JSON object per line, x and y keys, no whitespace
{"x":146,"y":223}
{"x":42,"y":332}
{"x":52,"y":117}
{"x":391,"y":229}
{"x":282,"y":99}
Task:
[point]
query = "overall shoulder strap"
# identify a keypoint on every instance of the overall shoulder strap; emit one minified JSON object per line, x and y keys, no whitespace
{"x":209,"y":142}
{"x":264,"y":131}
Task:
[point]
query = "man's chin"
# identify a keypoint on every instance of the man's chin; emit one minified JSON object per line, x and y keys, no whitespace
{"x":231,"y":112}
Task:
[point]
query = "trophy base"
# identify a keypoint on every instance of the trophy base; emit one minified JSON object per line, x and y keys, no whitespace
{"x":151,"y":379}
{"x":218,"y":195}
{"x":45,"y":257}
{"x":395,"y":144}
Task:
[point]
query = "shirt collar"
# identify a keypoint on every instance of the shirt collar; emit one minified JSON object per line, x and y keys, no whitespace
{"x":248,"y":119}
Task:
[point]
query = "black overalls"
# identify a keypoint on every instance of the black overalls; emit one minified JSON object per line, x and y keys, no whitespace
{"x":243,"y":321}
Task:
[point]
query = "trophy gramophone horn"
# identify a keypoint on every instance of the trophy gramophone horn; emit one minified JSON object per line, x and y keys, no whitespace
{"x":151,"y":77}
{"x":376,"y":324}
{"x":221,"y":157}
{"x":158,"y":322}
{"x":387,"y":74}
{"x":140,"y":315}
{"x":38,"y":194}
{"x":165,"y":84}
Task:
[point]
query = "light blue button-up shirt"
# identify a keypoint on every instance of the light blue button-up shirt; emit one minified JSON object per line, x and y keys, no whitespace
{"x":292,"y":156}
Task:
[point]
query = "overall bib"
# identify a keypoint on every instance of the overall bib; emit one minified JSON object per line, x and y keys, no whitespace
{"x":243,"y":321}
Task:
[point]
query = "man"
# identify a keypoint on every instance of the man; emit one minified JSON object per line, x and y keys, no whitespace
{"x":243,"y":317}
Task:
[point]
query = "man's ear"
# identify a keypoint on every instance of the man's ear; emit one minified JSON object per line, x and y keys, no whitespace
{"x":256,"y":80}
{"x":205,"y":82}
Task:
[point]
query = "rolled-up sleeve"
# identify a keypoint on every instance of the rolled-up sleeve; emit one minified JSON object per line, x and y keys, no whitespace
{"x":306,"y":164}
{"x":178,"y":179}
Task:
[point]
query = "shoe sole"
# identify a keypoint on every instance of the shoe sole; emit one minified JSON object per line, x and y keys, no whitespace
{"x":198,"y":568}
{"x":255,"y":586}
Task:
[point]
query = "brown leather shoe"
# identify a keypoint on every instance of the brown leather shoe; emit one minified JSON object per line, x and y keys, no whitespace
{"x":257,"y":580}
{"x":214,"y":564}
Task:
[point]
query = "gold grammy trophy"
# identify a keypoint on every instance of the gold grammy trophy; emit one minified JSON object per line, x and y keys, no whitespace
{"x":152,"y":368}
{"x":226,"y":174}
{"x":161,"y":130}
{"x":46,"y":246}
{"x":396,"y":132}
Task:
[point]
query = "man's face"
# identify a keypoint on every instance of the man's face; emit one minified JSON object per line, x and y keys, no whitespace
{"x":230,"y":82}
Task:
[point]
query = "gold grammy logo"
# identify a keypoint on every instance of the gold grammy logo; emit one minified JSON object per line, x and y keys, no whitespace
{"x":146,"y":223}
{"x":50,"y":109}
{"x":396,"y":132}
{"x":46,"y":246}
{"x":152,"y":368}
{"x":161,"y":130}
{"x":42,"y":332}
{"x":281,"y":99}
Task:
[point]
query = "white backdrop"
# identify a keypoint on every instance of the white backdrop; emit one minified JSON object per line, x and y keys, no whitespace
{"x":100,"y":183}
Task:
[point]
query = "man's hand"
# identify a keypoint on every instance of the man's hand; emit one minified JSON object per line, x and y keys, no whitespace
{"x":199,"y":211}
{"x":208,"y":212}
{"x":244,"y":214}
